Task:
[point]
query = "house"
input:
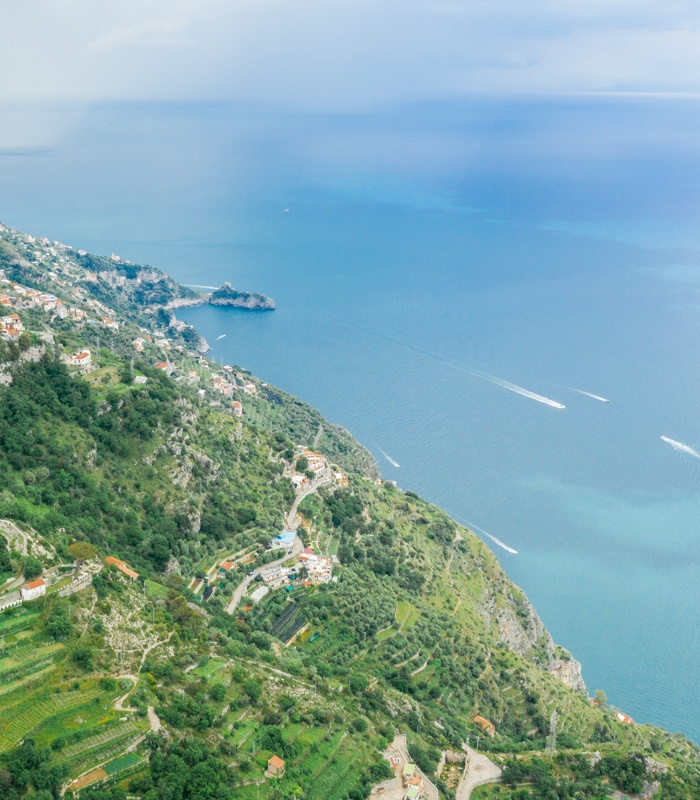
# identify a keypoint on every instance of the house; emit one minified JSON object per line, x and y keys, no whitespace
{"x":220,"y":385}
{"x":275,"y":767}
{"x":227,"y":565}
{"x":139,"y":343}
{"x":110,"y":323}
{"x":12,"y":321}
{"x":622,"y":717}
{"x":408,"y":772}
{"x":237,"y":408}
{"x":485,"y":725}
{"x":140,"y":379}
{"x":82,"y":358}
{"x":121,"y":566}
{"x":298,"y":481}
{"x":284,"y":539}
{"x":165,"y":367}
{"x":33,"y":589}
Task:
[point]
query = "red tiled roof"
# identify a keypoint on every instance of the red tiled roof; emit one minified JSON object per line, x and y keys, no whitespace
{"x":36,"y":583}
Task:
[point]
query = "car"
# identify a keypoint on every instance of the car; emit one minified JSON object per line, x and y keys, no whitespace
{"x":250,"y":574}
{"x":289,"y":552}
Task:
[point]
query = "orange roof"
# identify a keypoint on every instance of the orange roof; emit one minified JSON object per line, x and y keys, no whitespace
{"x":36,"y":584}
{"x":276,"y":762}
{"x":227,"y":565}
{"x":115,"y":561}
{"x":484,"y":723}
{"x":129,"y":572}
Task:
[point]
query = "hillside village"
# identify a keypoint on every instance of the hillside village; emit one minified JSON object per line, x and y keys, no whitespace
{"x":200,"y":575}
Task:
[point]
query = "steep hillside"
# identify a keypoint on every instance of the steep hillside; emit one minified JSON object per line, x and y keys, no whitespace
{"x":210,"y":643}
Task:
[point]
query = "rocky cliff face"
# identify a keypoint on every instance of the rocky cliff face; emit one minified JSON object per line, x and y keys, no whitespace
{"x":523,"y":632}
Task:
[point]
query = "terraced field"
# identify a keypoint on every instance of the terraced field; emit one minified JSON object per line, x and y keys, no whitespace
{"x":17,"y":720}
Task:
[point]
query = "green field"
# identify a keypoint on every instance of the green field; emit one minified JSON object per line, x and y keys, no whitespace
{"x":128,"y":760}
{"x":155,"y":590}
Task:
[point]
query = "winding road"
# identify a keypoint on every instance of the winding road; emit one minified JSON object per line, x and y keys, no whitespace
{"x":297,"y":544}
{"x":479,"y":770}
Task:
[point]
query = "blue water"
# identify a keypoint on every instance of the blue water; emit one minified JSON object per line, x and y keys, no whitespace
{"x":553,"y":244}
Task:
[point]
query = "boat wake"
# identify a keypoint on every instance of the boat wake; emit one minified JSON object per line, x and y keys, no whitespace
{"x":588,"y":394}
{"x":682,"y":448}
{"x":485,"y":376}
{"x":512,"y":387}
{"x":494,"y":539}
{"x":223,"y":336}
{"x":388,"y":458}
{"x":500,"y":543}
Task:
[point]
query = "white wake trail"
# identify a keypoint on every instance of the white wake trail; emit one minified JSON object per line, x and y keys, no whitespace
{"x":513,"y":387}
{"x":223,"y":336}
{"x":494,"y":539}
{"x":682,"y":448}
{"x":388,"y":458}
{"x":501,"y":544}
{"x":588,"y":394}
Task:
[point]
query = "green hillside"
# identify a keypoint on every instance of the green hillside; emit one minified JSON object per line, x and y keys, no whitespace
{"x":132,"y":677}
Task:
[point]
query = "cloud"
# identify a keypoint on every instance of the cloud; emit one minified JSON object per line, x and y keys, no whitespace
{"x":146,"y":33}
{"x":347,"y":54}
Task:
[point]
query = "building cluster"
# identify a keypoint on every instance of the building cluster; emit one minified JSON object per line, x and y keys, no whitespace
{"x":412,"y":782}
{"x":319,"y":569}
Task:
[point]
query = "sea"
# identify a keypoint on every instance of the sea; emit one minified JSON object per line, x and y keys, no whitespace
{"x":498,"y":296}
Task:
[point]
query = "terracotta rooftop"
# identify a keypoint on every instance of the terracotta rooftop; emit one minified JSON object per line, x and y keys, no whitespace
{"x":36,"y":583}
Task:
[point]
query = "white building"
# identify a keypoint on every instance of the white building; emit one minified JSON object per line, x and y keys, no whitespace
{"x":33,"y":589}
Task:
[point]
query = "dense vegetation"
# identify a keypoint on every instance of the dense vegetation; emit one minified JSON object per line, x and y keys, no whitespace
{"x":420,"y":632}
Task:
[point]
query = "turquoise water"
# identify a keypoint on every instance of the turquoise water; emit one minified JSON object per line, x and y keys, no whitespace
{"x":427,"y":255}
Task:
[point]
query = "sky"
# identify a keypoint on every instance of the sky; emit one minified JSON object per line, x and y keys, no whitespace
{"x":343,"y":55}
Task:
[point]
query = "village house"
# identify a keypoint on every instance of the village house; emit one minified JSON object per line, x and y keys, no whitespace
{"x":250,"y":388}
{"x":275,"y":767}
{"x":165,"y":367}
{"x":5,"y":301}
{"x":222,"y":386}
{"x":110,"y":323}
{"x":82,"y":359}
{"x":485,"y":725}
{"x":139,"y":344}
{"x":237,"y":408}
{"x":33,"y":589}
{"x":122,"y":567}
{"x":11,"y":322}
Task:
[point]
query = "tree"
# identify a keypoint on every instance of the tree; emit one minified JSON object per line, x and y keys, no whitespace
{"x":253,"y":689}
{"x":82,"y":551}
{"x":32,"y":567}
{"x":601,"y":698}
{"x":82,"y":655}
{"x":302,"y":464}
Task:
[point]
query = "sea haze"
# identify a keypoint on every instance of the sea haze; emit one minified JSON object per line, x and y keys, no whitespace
{"x":447,"y":276}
